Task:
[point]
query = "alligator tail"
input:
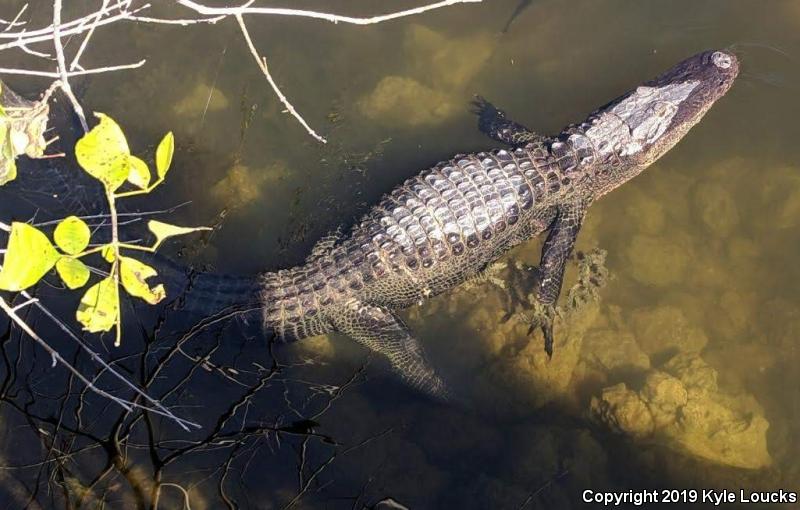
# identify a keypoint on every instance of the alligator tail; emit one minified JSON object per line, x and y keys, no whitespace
{"x":206,"y":293}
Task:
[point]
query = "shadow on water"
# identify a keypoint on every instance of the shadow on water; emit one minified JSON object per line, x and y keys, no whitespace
{"x":682,"y":374}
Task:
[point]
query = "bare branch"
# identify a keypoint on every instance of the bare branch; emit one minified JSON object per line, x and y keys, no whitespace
{"x":62,"y":66}
{"x":262,"y":63}
{"x":98,"y":16}
{"x":182,"y":22}
{"x":82,"y":72}
{"x":13,"y":23}
{"x":160,"y":409}
{"x":57,"y":357}
{"x":334,"y":18}
{"x":71,"y":28}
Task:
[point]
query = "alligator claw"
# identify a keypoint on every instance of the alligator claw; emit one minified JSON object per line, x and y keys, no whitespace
{"x":547,"y":330}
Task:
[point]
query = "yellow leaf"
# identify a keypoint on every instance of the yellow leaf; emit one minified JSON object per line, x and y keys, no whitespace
{"x":73,"y":272}
{"x":9,"y":173}
{"x":29,"y":256}
{"x":108,"y":253}
{"x":103,"y":152}
{"x":8,"y":164}
{"x":164,"y":154}
{"x":165,"y":230}
{"x":134,"y":275}
{"x":139,"y":174}
{"x":99,"y":307}
{"x":72,"y":235}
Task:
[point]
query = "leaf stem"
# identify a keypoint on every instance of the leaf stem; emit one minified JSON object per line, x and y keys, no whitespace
{"x":127,"y":246}
{"x":115,"y":245}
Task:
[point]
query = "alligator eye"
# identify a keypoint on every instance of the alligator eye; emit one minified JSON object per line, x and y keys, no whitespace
{"x":721,"y":60}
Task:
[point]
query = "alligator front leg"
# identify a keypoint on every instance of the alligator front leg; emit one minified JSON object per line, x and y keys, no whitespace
{"x":493,"y":123}
{"x":555,"y":253}
{"x":379,"y":329}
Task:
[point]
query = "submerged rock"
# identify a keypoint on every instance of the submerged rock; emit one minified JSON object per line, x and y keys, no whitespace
{"x":518,"y":359}
{"x":664,"y":395}
{"x":658,"y":261}
{"x":610,"y":350}
{"x":717,"y":208}
{"x":624,"y":411}
{"x":242,"y":185}
{"x":665,"y":329}
{"x":715,"y":428}
{"x":521,"y":366}
{"x":447,"y":61}
{"x":200,"y":100}
{"x":405,"y":101}
{"x":646,"y":212}
{"x":779,"y":199}
{"x":682,"y":408}
{"x":431,"y":90}
{"x":693,"y":371}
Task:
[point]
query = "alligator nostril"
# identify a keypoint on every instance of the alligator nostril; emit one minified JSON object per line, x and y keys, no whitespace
{"x":721,"y":60}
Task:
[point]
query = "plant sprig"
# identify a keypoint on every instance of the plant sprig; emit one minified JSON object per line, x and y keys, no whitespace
{"x":104,"y":154}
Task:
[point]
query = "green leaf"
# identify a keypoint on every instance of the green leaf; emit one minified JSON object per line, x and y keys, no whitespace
{"x":139,"y":174}
{"x":29,"y":256}
{"x":134,"y":275}
{"x":72,"y":235}
{"x":99,"y":307}
{"x":165,"y":230}
{"x":103,"y":152}
{"x":73,"y":272}
{"x":164,"y":154}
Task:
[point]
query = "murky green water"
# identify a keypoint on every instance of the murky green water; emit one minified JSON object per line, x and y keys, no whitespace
{"x":683,"y":375}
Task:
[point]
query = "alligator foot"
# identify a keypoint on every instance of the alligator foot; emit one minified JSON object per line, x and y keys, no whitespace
{"x":493,"y":123}
{"x":521,"y":279}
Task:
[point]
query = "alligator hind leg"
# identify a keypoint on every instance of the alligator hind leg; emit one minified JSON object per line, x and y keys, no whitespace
{"x":555,"y":253}
{"x":494,"y":124}
{"x":379,"y":329}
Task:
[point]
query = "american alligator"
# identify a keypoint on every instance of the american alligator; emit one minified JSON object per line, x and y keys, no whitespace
{"x":449,"y":222}
{"x":446,"y":224}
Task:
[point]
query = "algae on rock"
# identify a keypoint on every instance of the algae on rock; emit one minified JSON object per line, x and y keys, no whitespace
{"x":439,"y":67}
{"x":680,"y":406}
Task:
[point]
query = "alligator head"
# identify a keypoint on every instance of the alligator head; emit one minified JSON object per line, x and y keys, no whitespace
{"x":642,"y":125}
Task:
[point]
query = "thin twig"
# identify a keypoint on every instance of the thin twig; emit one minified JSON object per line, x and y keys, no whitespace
{"x":48,"y":31}
{"x":334,"y":18}
{"x":262,"y":63}
{"x":182,"y":22}
{"x":13,"y":23}
{"x":57,"y":357}
{"x":98,"y":16}
{"x":75,"y":27}
{"x":159,"y":407}
{"x":186,"y":504}
{"x":62,"y":66}
{"x":81,"y":72}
